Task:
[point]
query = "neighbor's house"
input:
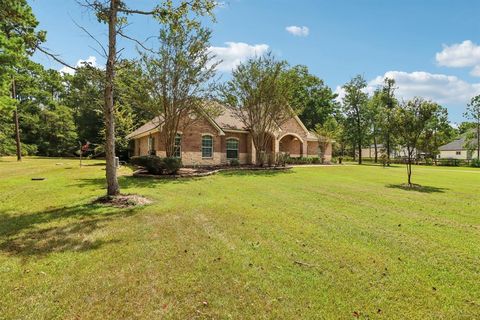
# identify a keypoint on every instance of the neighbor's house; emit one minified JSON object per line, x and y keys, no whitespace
{"x":397,"y":152}
{"x":217,"y":141}
{"x":456,"y":150}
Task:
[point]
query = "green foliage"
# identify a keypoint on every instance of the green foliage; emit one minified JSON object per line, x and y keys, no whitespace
{"x":475,"y":163}
{"x":412,"y":119}
{"x":355,"y":109}
{"x":157,"y":165}
{"x":234,"y":163}
{"x":310,"y":97}
{"x":180,"y":77}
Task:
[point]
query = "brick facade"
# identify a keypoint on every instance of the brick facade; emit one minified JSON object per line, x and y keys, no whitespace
{"x":291,"y":138}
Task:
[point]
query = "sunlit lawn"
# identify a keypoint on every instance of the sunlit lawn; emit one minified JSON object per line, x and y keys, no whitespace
{"x":314,"y":243}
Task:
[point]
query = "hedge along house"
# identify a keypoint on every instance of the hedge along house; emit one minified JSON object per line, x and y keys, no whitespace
{"x":219,"y":140}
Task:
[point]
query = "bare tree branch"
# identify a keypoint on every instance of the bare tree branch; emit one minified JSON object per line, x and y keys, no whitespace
{"x":55,"y":57}
{"x":120,"y":33}
{"x":95,"y":39}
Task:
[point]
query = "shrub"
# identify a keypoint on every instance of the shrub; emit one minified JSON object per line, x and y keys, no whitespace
{"x":475,"y":163}
{"x":171,"y":165}
{"x":157,"y":165}
{"x":316,"y":160}
{"x":234,"y":163}
{"x":152,"y":164}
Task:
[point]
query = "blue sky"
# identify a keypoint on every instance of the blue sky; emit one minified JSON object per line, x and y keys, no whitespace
{"x":428,"y":46}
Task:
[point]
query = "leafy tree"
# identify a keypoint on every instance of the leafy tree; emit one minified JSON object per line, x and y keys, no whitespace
{"x":114,"y":13}
{"x":355,"y":109}
{"x":411,"y":120}
{"x":466,"y":126}
{"x":437,"y":133}
{"x":18,"y":39}
{"x":473,"y":113}
{"x":259,"y":95}
{"x":314,"y":101}
{"x":179,"y":78}
{"x":327,"y":133}
{"x":374,"y":118}
{"x":386,"y":125}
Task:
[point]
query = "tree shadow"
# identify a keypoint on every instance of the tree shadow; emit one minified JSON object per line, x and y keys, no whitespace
{"x":256,"y":172}
{"x":133,"y":182}
{"x":417,"y":188}
{"x":69,"y":229}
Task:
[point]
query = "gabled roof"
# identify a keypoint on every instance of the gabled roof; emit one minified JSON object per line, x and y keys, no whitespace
{"x":147,"y":128}
{"x":225,"y":121}
{"x":457,"y":145}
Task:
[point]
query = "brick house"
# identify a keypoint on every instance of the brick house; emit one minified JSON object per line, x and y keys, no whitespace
{"x":216,"y":141}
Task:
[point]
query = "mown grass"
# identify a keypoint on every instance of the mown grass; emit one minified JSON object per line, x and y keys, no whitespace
{"x":314,"y":243}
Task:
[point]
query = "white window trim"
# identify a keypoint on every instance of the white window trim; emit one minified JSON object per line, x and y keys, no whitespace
{"x":180,"y":146}
{"x":201,"y":145}
{"x":238,"y":148}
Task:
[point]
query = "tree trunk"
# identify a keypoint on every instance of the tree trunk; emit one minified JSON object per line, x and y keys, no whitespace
{"x":359,"y":152}
{"x":15,"y":120}
{"x":478,"y":140}
{"x":376,"y":152}
{"x":409,"y":168}
{"x":111,"y":170}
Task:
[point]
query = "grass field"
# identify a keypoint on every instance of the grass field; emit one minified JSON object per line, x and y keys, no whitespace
{"x":314,"y":243}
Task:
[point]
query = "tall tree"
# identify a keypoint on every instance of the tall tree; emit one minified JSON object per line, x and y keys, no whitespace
{"x":473,"y":113}
{"x":437,"y":133}
{"x":354,"y":106}
{"x":314,"y":100}
{"x":114,"y":13}
{"x":374,"y":114}
{"x":259,"y":95}
{"x":180,"y":78}
{"x":18,"y":39}
{"x":386,"y":124}
{"x":411,"y":120}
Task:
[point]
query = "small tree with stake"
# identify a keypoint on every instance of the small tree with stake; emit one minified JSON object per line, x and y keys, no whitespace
{"x":411,"y":119}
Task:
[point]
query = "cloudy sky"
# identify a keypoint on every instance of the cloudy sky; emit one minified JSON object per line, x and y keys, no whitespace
{"x":431,"y":47}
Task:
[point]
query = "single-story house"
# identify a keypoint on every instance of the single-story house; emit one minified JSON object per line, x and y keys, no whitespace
{"x":456,"y":150}
{"x":218,"y":140}
{"x":397,"y":152}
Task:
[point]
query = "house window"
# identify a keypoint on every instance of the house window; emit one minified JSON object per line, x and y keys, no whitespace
{"x":178,"y":146}
{"x":232,"y":149}
{"x":207,"y":146}
{"x":458,"y":153}
{"x":151,"y":145}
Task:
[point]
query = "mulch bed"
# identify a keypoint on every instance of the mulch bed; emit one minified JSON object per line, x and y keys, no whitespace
{"x":187,"y":172}
{"x":123,"y":200}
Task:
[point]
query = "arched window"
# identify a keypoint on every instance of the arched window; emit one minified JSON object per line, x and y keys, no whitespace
{"x":232,"y":149}
{"x":207,"y":146}
{"x":178,"y":146}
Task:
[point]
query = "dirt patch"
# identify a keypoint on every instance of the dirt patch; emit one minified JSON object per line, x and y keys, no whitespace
{"x":123,"y":201}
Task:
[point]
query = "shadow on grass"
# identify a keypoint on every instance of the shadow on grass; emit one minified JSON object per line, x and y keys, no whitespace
{"x":131,"y":182}
{"x":68,"y":229}
{"x":259,"y":173}
{"x":417,"y":188}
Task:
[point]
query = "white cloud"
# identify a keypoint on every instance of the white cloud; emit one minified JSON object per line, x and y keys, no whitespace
{"x":235,"y":53}
{"x":298,"y":31}
{"x":460,"y":55}
{"x":91,"y":60}
{"x":443,"y":89}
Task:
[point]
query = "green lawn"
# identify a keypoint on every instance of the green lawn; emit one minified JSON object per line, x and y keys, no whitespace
{"x":314,"y":243}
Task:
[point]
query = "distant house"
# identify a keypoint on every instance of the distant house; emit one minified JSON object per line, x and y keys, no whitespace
{"x":369,"y":152}
{"x":456,"y":150}
{"x":219,"y":140}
